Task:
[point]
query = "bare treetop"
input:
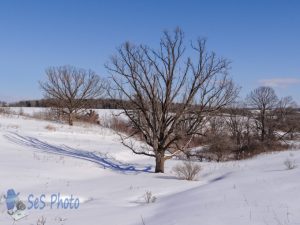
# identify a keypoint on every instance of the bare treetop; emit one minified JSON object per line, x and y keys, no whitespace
{"x":263,"y":98}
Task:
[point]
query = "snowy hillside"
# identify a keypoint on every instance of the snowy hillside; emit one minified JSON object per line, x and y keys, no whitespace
{"x":88,"y":162}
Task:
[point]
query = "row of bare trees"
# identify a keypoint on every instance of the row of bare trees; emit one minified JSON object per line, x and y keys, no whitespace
{"x":172,"y":97}
{"x":260,"y":123}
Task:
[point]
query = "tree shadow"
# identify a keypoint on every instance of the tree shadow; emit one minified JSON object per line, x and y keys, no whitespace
{"x":278,"y":170}
{"x":220,"y":177}
{"x":95,"y":157}
{"x":168,"y":177}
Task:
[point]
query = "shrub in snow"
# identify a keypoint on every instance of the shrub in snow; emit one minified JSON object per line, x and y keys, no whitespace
{"x":89,"y":117}
{"x":46,"y":114}
{"x":120,"y":125}
{"x":187,"y":170}
{"x":290,"y":164}
{"x":5,"y":110}
{"x":50,"y":128}
{"x":220,"y":147}
{"x":149,"y":197}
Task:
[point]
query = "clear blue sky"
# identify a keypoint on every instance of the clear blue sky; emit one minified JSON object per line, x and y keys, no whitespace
{"x":260,"y":37}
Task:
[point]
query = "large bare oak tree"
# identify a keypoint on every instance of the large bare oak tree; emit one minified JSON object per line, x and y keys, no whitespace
{"x":170,"y":94}
{"x":69,"y":88}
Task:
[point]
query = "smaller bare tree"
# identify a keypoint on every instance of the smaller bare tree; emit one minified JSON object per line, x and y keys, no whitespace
{"x":239,"y":124}
{"x":287,"y":117}
{"x":265,"y":101}
{"x":286,"y":106}
{"x":68,"y":89}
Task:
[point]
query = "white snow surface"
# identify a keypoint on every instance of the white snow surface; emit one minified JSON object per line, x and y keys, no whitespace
{"x":89,"y":163}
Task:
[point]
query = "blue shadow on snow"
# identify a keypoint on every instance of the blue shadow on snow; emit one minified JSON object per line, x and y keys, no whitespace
{"x":97,"y":158}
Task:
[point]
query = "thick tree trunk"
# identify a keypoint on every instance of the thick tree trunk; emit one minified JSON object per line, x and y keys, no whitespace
{"x":159,"y":163}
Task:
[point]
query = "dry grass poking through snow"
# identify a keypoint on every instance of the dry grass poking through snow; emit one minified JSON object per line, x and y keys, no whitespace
{"x":290,"y":164}
{"x":41,"y":221}
{"x":149,"y":197}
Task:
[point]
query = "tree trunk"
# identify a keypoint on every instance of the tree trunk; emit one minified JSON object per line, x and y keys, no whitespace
{"x":159,"y":163}
{"x":71,"y":119}
{"x":263,"y":131}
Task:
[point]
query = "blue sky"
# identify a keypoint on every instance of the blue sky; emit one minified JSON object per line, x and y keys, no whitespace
{"x":260,"y":37}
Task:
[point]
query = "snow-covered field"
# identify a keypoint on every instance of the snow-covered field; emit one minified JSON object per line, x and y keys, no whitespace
{"x":103,"y":113}
{"x":88,"y":162}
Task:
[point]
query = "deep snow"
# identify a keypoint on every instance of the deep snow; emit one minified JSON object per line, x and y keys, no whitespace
{"x":90,"y":163}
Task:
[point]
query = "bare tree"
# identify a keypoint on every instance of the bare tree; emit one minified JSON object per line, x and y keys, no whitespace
{"x":265,"y":101}
{"x":69,"y":88}
{"x":238,"y":122}
{"x":241,"y":126}
{"x":286,"y":106}
{"x":287,"y":117}
{"x":170,"y":95}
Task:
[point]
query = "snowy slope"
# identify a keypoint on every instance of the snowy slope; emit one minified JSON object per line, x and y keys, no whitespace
{"x":90,"y":163}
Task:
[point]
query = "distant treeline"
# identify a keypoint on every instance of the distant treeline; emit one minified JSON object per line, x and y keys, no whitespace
{"x":92,"y":103}
{"x":2,"y":104}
